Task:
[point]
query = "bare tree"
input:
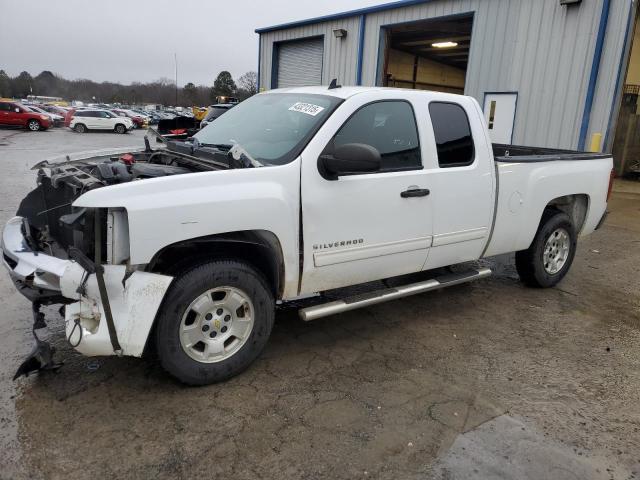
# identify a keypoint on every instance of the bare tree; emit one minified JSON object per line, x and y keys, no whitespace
{"x":249,"y":83}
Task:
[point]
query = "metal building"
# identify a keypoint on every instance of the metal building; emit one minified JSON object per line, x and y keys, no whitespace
{"x":547,"y":72}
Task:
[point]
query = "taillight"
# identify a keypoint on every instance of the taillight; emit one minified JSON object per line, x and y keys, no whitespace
{"x":612,"y":175}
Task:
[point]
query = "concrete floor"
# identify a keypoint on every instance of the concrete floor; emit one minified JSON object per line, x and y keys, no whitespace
{"x":486,"y":380}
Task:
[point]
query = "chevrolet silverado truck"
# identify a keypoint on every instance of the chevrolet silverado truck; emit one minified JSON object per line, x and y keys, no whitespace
{"x":291,"y":194}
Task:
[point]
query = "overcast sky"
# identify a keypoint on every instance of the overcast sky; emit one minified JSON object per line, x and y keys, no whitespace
{"x":135,"y":40}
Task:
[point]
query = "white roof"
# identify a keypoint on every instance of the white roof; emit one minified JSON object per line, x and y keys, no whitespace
{"x":342,"y":92}
{"x":346,"y":92}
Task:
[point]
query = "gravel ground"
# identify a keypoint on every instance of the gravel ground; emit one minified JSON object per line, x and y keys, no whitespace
{"x":486,"y":380}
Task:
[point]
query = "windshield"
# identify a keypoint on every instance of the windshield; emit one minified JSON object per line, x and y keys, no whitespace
{"x":272,"y":128}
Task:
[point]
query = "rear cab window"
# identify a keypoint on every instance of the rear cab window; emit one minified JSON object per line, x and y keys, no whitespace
{"x":452,"y":132}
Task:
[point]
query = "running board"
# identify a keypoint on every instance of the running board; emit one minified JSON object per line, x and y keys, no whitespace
{"x":379,"y":296}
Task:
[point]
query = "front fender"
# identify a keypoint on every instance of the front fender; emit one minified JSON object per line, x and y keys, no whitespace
{"x":163,"y":211}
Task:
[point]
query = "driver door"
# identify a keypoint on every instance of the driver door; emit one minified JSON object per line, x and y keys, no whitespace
{"x":367,"y":226}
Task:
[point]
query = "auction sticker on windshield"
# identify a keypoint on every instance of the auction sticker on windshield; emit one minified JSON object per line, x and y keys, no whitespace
{"x":308,"y":108}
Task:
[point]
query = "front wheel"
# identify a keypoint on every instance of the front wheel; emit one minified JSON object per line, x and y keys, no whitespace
{"x":120,"y":128}
{"x":215,"y":320}
{"x":34,"y":125}
{"x":551,"y":253}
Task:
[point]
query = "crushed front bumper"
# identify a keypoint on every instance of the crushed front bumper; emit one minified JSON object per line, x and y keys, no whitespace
{"x":45,"y":279}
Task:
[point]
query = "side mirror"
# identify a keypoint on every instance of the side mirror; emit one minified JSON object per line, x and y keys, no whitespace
{"x":350,"y":158}
{"x":17,"y":110}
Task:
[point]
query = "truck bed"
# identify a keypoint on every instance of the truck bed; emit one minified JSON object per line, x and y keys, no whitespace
{"x":517,"y":153}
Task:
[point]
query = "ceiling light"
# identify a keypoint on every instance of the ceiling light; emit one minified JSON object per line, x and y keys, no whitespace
{"x":444,"y":44}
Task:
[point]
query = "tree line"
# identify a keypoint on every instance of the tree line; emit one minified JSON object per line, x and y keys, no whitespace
{"x":162,"y":91}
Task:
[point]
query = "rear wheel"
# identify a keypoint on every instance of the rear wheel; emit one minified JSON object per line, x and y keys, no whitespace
{"x":551,"y":253}
{"x":119,"y":128}
{"x":80,"y":128}
{"x":34,"y":125}
{"x":215,"y":320}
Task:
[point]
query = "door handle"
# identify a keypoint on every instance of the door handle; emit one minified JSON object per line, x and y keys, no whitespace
{"x":415,"y":192}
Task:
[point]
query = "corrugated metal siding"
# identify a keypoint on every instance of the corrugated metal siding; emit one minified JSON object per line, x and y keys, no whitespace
{"x":538,"y":48}
{"x":340,"y":55}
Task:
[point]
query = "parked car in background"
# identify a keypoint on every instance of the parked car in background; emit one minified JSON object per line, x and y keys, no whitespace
{"x":214,"y":111}
{"x":137,"y":119}
{"x":19,"y":115}
{"x":85,"y":120}
{"x":57,"y":120}
{"x":154,"y":118}
{"x":55,"y":109}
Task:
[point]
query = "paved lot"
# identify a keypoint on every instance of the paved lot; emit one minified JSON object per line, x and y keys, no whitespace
{"x":488,"y":380}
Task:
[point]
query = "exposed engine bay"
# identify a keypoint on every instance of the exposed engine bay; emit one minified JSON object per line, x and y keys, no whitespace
{"x":52,"y":225}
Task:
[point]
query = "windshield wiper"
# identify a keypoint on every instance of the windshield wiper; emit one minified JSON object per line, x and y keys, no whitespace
{"x":240,"y":158}
{"x":219,"y":146}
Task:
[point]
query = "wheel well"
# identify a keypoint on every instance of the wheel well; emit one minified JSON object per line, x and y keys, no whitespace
{"x":259,"y":248}
{"x":119,"y":125}
{"x":576,"y":206}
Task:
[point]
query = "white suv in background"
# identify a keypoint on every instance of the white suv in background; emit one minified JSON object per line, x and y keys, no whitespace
{"x":85,"y":120}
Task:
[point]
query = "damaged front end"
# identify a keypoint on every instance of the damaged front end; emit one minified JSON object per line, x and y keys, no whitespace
{"x":79,"y":257}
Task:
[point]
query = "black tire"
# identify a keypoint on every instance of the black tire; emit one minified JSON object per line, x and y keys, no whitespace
{"x":530,"y":263}
{"x":190,"y":285}
{"x":120,"y":128}
{"x":34,"y":125}
{"x":80,"y":128}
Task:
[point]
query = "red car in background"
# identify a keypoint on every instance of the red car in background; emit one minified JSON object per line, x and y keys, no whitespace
{"x":66,"y":112}
{"x":16,"y":114}
{"x":138,"y":121}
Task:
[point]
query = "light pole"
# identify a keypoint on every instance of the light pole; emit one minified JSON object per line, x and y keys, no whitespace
{"x":175,"y":58}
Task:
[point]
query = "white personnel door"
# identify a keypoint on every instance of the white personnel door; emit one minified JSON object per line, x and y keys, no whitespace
{"x":500,"y":114}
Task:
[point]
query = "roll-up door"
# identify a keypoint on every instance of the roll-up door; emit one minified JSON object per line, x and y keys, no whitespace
{"x":300,"y":63}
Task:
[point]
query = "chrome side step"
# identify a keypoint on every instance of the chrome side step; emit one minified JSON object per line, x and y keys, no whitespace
{"x":379,"y":296}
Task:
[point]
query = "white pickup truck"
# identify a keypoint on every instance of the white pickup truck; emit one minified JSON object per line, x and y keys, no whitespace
{"x":290,"y":194}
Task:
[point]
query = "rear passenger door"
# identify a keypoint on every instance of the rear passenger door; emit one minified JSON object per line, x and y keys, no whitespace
{"x":462,"y":182}
{"x":364,"y":227}
{"x":6,"y":117}
{"x":86,"y":117}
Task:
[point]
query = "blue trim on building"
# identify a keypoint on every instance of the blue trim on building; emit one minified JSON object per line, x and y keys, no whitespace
{"x":618,"y":85}
{"x":593,"y":78}
{"x":338,"y":16}
{"x":363,"y":24}
{"x":259,"y":59}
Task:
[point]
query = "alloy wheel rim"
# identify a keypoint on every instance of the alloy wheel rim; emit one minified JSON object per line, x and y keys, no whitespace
{"x":216,"y":324}
{"x":33,"y":125}
{"x":556,"y":251}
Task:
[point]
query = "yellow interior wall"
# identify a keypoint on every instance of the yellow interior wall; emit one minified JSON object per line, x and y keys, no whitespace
{"x":400,"y":66}
{"x":633,"y":73}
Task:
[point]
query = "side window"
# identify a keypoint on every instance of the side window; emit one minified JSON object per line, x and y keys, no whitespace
{"x":5,"y":107}
{"x":454,"y":141}
{"x":390,"y":127}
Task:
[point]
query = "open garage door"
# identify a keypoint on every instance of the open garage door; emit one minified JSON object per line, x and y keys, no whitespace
{"x":300,"y":63}
{"x":427,"y":54}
